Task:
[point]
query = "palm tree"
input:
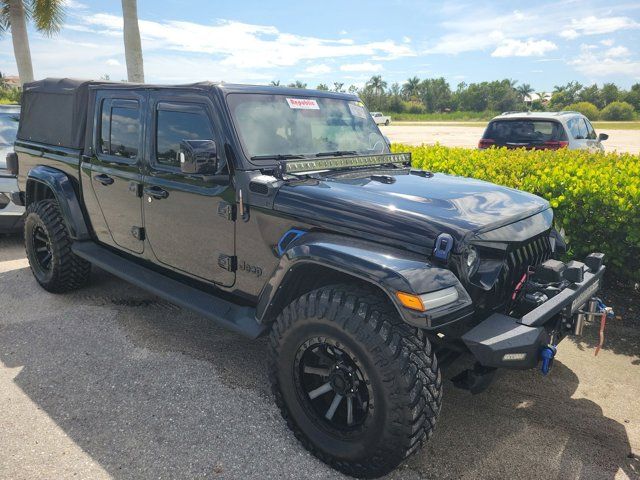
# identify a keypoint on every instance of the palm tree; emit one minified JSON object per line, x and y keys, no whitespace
{"x":524,"y":91}
{"x":377,"y":84}
{"x":275,"y":83}
{"x":338,"y":87}
{"x":132,"y":43}
{"x":47,"y":15}
{"x":411,"y":87}
{"x":297,"y":84}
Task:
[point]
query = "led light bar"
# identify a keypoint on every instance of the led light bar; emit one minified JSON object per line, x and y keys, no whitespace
{"x":299,"y":166}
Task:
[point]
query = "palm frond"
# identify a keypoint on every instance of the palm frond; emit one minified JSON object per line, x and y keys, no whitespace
{"x":48,"y":15}
{"x":5,"y":24}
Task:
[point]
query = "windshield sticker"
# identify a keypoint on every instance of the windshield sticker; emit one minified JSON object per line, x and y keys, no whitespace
{"x":357,"y":110}
{"x":303,"y":103}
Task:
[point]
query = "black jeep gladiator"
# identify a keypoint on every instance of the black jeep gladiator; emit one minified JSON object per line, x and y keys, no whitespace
{"x":283,"y":212}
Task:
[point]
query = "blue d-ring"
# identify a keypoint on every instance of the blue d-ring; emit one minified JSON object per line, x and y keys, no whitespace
{"x":287,"y":238}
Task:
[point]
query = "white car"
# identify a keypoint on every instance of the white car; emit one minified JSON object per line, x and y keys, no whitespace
{"x":11,"y":215}
{"x":542,"y":131}
{"x":381,"y":119}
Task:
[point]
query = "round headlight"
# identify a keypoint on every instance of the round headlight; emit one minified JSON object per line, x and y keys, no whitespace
{"x":471,"y":260}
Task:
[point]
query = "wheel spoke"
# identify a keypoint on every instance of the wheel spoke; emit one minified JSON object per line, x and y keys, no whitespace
{"x":323,"y":355}
{"x":349,"y":410}
{"x":42,"y":249}
{"x":46,"y":259}
{"x":41,"y":237}
{"x":322,"y":371}
{"x":333,"y":407}
{"x":313,"y":394}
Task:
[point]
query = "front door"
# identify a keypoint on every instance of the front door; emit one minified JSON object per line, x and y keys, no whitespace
{"x":184,"y":213}
{"x":115,"y":167}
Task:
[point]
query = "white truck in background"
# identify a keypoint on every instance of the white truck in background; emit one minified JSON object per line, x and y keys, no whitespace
{"x":381,"y":119}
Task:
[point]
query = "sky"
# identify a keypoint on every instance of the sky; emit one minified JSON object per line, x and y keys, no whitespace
{"x":542,"y":43}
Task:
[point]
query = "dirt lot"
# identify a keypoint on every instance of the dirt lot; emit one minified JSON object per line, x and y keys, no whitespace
{"x":457,"y":135}
{"x":110,"y":382}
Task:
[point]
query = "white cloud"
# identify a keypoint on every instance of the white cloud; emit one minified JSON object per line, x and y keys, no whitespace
{"x":72,"y":4}
{"x":478,"y":29}
{"x":318,"y":69}
{"x":593,"y":25}
{"x":112,"y":62}
{"x":528,"y":48}
{"x":617,"y":52}
{"x":243,"y":45}
{"x":406,"y":39}
{"x":594,"y":63}
{"x":607,"y":42}
{"x":569,"y":34}
{"x":361,"y":67}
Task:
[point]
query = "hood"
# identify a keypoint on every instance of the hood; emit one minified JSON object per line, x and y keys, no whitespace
{"x":407,"y":206}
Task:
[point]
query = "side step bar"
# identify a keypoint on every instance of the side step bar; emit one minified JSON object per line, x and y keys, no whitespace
{"x":240,"y":319}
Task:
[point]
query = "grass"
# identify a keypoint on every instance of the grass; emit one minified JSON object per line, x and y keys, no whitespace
{"x":617,"y":125}
{"x":429,"y":119}
{"x":444,"y":117}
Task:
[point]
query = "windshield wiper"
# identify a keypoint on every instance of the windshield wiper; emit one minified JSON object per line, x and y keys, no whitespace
{"x":337,"y":153}
{"x":276,"y":157}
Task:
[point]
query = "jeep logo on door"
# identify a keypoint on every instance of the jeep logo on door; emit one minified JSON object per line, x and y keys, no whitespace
{"x":254,"y":269}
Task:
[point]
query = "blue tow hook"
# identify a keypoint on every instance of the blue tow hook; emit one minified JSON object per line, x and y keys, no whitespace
{"x":547,"y":354}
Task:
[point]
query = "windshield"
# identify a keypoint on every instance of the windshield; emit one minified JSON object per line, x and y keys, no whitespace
{"x":524,"y":131}
{"x":281,"y":126}
{"x":8,"y":128}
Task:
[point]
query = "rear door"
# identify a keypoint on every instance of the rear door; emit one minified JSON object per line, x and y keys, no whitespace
{"x":116,"y":178}
{"x":185,"y":216}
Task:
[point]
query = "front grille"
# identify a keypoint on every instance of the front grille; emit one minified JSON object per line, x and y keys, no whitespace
{"x":530,"y":254}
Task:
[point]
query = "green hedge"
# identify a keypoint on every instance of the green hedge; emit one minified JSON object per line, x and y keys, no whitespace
{"x":596,"y":197}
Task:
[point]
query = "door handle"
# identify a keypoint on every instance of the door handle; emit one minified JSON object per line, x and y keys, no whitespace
{"x":156,"y":192}
{"x":104,"y":179}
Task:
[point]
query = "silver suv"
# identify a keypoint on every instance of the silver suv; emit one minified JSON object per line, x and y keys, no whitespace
{"x":542,"y":130}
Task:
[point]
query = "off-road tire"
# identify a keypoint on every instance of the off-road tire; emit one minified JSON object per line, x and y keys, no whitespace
{"x":67,"y":271}
{"x":398,"y":360}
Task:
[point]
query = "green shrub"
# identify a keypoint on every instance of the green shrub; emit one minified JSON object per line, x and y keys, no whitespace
{"x":595,"y":197}
{"x":588,"y":109}
{"x":618,"y":111}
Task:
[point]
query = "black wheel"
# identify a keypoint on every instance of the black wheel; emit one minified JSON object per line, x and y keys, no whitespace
{"x":359,"y":388}
{"x":386,"y":123}
{"x":48,"y":248}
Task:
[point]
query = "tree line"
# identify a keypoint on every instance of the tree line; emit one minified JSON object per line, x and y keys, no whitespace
{"x":435,"y":95}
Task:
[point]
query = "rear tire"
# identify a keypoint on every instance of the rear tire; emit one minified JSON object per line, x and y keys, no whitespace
{"x":56,"y":268}
{"x":387,"y":123}
{"x":357,"y":347}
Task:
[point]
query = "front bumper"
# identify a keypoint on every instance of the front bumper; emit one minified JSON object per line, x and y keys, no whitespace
{"x":502,"y":341}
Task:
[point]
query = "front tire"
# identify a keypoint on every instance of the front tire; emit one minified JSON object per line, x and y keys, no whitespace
{"x":387,"y":123}
{"x":48,"y":244}
{"x":359,"y":388}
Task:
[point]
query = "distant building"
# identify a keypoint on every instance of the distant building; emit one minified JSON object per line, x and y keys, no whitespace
{"x":534,"y":97}
{"x":12,"y":81}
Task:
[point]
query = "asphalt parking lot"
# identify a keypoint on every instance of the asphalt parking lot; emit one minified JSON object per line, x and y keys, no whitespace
{"x":111,"y":382}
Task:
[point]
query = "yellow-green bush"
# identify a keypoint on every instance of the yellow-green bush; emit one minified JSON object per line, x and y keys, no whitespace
{"x":596,"y":197}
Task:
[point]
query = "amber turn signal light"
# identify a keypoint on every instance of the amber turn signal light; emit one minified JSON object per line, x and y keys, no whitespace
{"x":414,"y":302}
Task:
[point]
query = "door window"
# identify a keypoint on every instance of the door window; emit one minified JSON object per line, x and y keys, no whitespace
{"x":176,"y":123}
{"x":120,"y":128}
{"x":577,"y":128}
{"x":591,"y":133}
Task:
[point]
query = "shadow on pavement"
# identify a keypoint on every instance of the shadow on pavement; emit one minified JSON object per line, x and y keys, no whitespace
{"x":150,"y":390}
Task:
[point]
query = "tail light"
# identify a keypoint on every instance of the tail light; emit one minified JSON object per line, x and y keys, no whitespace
{"x":555,"y":145}
{"x":486,"y":143}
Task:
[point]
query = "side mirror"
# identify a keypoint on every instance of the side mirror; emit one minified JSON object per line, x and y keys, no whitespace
{"x":198,"y":157}
{"x":602,"y":137}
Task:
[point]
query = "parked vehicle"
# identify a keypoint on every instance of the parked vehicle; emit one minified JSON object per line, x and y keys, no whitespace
{"x":10,"y":213}
{"x":282,"y":212}
{"x":380,"y":119}
{"x":542,"y":130}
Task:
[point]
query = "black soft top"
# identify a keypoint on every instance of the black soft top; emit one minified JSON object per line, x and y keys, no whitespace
{"x":54,"y":111}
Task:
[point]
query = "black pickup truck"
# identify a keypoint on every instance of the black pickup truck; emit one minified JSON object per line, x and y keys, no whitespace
{"x":283,"y":212}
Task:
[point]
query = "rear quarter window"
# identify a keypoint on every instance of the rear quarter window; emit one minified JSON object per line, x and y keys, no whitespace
{"x":524,"y":131}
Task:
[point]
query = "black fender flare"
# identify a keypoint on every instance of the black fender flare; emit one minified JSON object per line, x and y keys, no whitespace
{"x":65,"y":195}
{"x":390,"y":269}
